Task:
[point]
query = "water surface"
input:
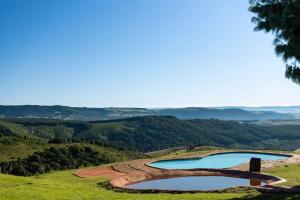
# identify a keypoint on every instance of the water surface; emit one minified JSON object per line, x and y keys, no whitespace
{"x":224,"y":160}
{"x":194,"y":183}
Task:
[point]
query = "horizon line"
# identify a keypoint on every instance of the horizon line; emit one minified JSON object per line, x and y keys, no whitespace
{"x":158,"y":107}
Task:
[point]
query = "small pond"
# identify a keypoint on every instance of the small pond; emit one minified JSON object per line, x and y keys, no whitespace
{"x":195,"y":183}
{"x":217,"y":161}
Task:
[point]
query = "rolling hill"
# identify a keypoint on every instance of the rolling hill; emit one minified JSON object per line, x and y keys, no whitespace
{"x":19,"y":140}
{"x":150,"y":133}
{"x":90,"y":114}
{"x":34,"y":146}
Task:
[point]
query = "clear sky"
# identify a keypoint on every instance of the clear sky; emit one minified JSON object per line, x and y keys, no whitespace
{"x":138,"y":53}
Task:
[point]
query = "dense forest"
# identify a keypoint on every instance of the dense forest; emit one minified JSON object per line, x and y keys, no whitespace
{"x":150,"y":133}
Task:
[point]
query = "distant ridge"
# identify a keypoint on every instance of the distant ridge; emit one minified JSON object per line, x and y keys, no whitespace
{"x":223,"y":114}
{"x":279,"y":109}
{"x":90,"y":114}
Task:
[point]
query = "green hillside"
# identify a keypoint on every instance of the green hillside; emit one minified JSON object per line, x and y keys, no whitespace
{"x":153,"y":133}
{"x":150,"y":133}
{"x":37,"y":146}
{"x":28,"y":146}
{"x":64,"y":186}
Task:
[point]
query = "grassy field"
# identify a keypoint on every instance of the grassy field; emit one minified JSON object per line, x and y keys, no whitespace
{"x":64,"y":186}
{"x":19,"y":150}
{"x":289,"y":172}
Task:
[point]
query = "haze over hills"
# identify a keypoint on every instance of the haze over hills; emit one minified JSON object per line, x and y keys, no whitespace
{"x":278,"y":109}
{"x":223,"y":114}
{"x":90,"y":114}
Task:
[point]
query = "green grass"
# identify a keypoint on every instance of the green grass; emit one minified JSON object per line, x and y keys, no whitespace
{"x":297,"y":151}
{"x":289,"y":172}
{"x":64,"y":186}
{"x":15,"y":128}
{"x":19,"y":150}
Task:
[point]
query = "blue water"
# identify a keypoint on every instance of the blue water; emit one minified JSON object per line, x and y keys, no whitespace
{"x":194,"y":183}
{"x":217,"y":161}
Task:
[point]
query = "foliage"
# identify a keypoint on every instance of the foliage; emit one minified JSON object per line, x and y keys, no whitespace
{"x":154,"y":133}
{"x":282,"y":17}
{"x":56,"y":159}
{"x":24,"y":152}
{"x":151,"y":133}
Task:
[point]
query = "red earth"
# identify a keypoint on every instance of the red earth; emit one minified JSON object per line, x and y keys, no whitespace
{"x":107,"y":172}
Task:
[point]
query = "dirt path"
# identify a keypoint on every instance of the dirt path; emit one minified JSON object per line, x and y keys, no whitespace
{"x":107,"y":172}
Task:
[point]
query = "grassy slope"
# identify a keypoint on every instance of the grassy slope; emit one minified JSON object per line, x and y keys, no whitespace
{"x":289,"y":172}
{"x":63,"y":185}
{"x":20,"y":150}
{"x":12,"y":152}
{"x":19,"y":142}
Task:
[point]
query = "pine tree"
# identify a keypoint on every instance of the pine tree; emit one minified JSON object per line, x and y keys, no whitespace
{"x":281,"y":17}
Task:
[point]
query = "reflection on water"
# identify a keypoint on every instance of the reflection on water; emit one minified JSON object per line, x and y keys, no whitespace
{"x":255,"y":182}
{"x":194,"y":183}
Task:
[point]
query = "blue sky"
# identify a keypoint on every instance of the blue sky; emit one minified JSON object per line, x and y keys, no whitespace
{"x":137,"y":53}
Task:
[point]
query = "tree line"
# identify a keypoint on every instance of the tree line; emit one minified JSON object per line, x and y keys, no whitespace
{"x":55,"y":158}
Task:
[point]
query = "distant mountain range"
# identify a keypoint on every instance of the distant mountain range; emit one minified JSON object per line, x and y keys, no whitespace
{"x":223,"y":114}
{"x":279,"y":109}
{"x":90,"y":114}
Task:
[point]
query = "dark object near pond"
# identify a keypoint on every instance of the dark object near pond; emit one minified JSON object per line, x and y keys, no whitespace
{"x":194,"y":183}
{"x":255,"y":165}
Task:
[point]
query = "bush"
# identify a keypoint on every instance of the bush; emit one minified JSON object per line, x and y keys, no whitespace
{"x":55,"y":159}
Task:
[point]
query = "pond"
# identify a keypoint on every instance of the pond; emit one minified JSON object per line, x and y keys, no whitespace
{"x":195,"y":183}
{"x":217,"y":161}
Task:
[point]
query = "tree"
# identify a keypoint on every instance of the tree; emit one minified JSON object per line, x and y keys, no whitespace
{"x":282,"y":18}
{"x":18,"y":169}
{"x":35,"y":168}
